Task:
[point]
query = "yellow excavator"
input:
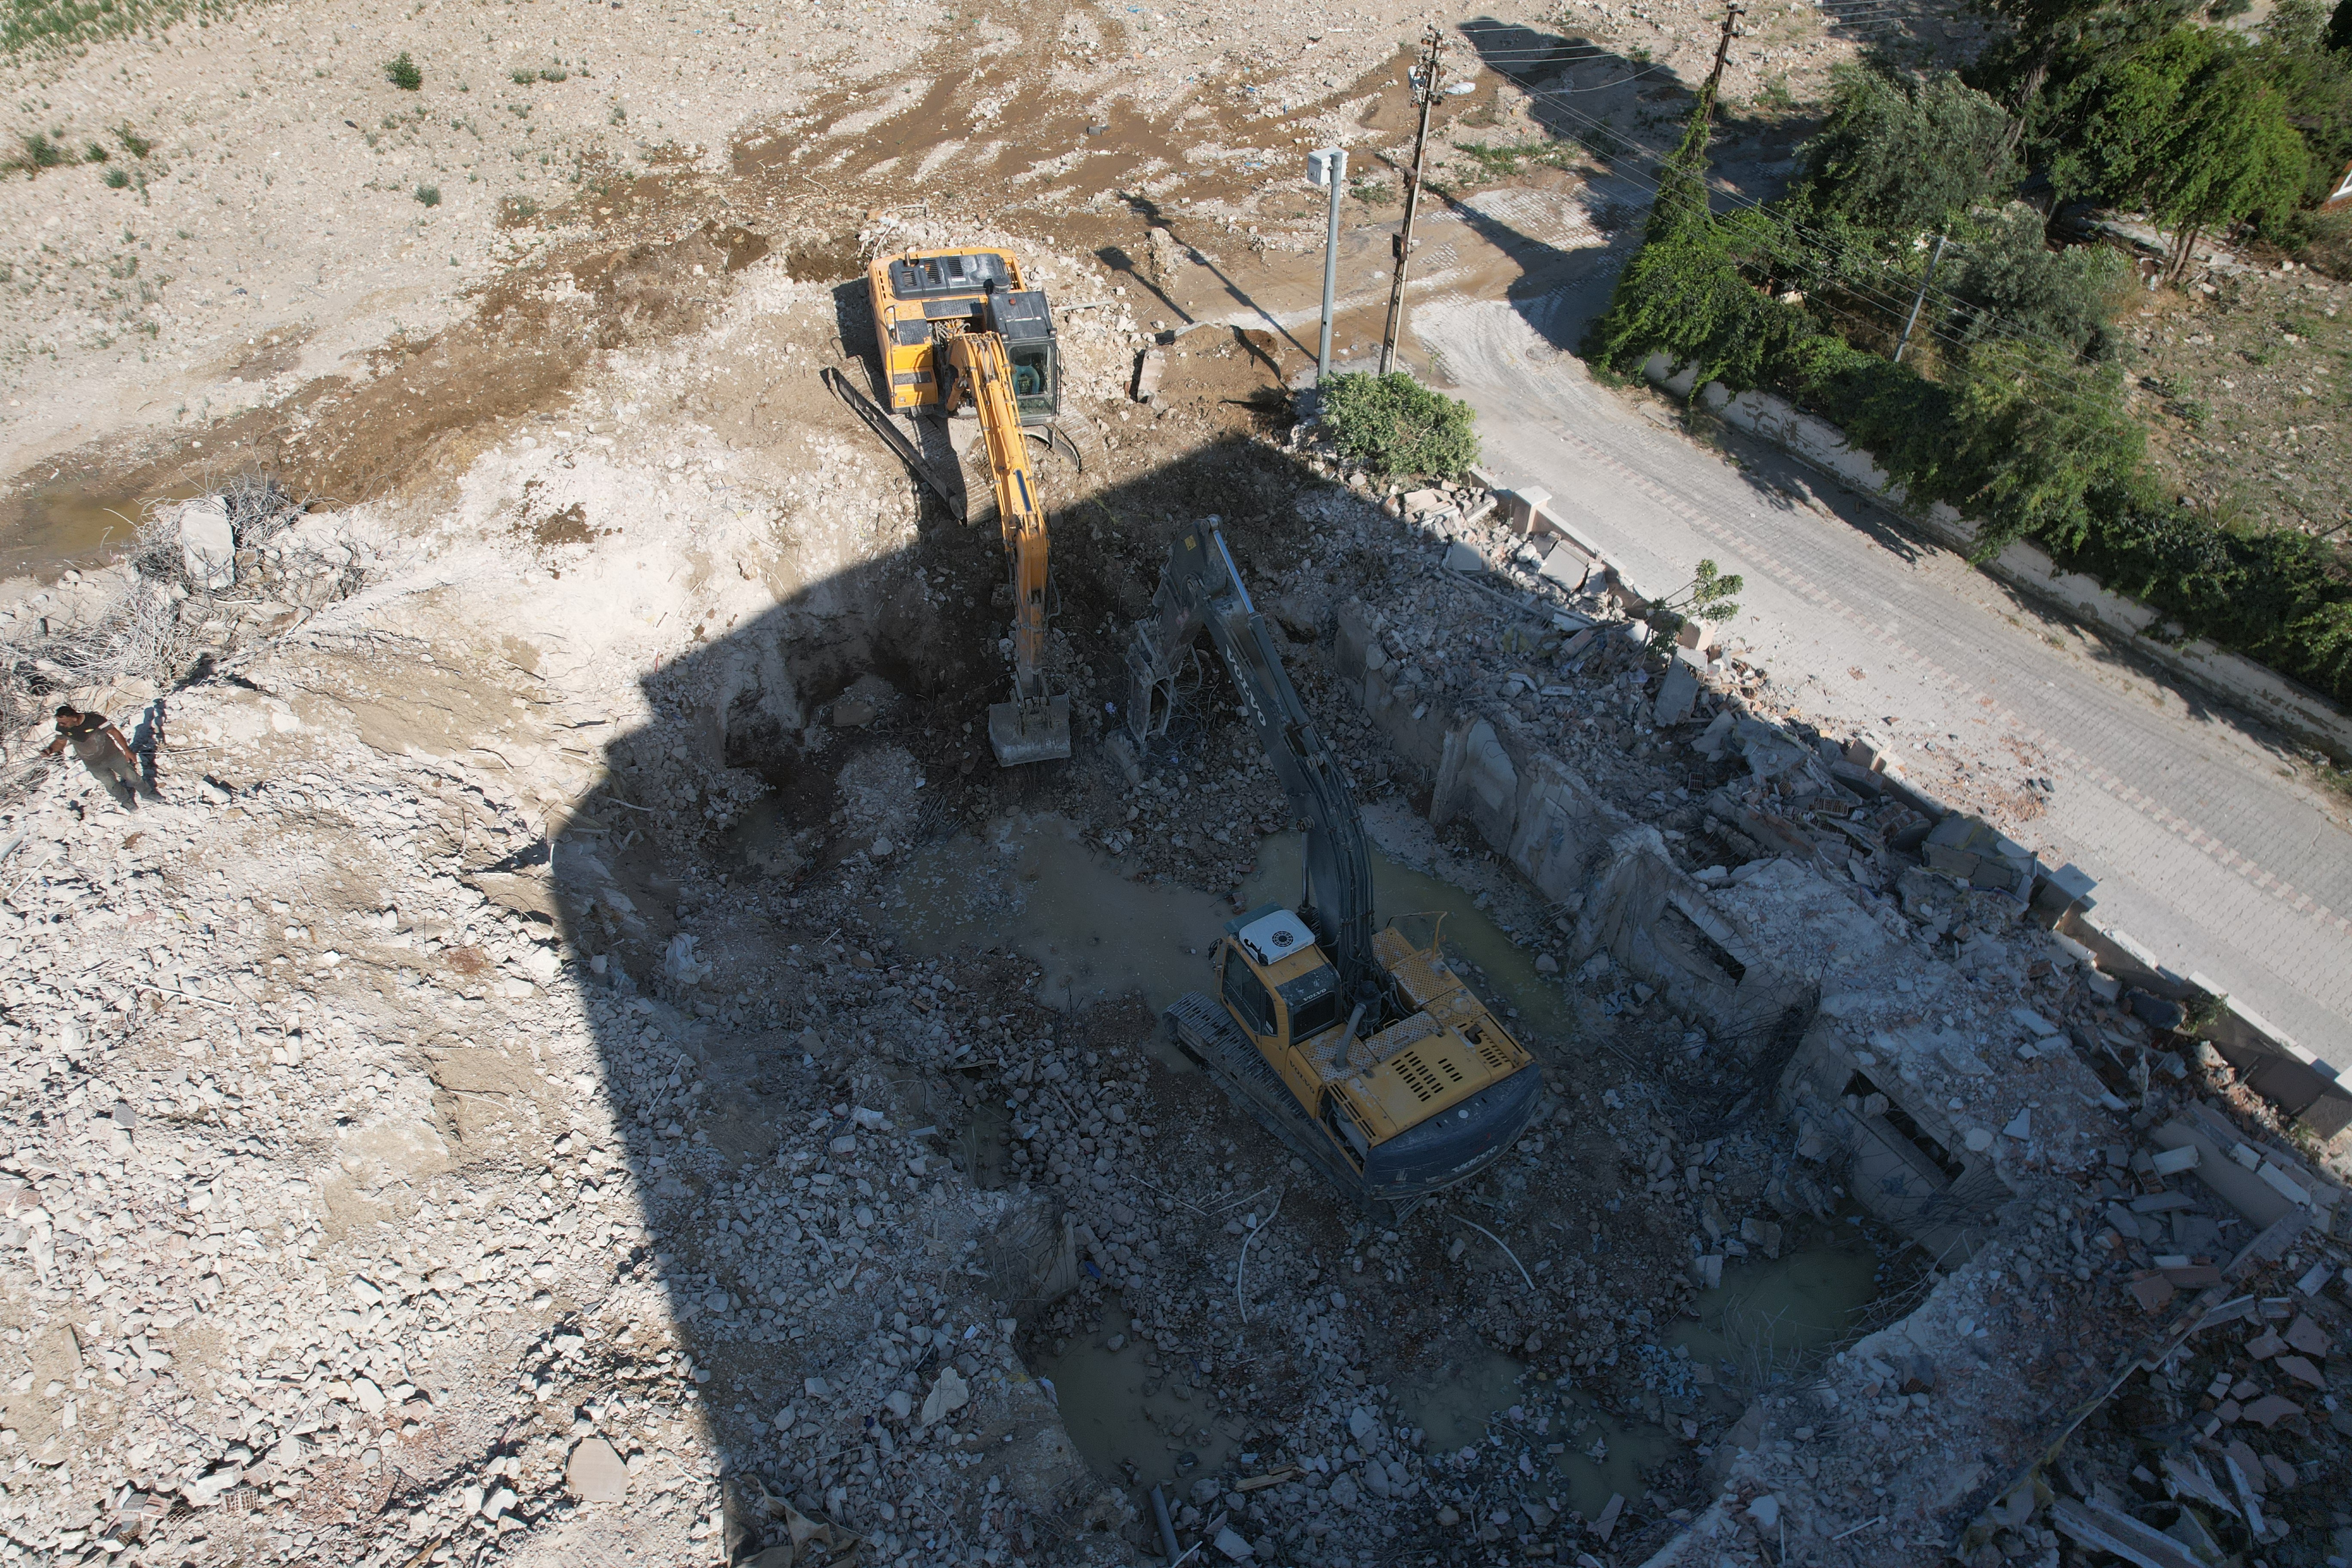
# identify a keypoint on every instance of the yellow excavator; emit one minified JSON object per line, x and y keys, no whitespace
{"x":962,"y":329}
{"x":1363,"y":1051}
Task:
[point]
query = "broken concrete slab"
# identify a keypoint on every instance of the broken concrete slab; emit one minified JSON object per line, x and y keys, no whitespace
{"x":207,"y":544}
{"x":1150,"y":371}
{"x":1676,"y":694}
{"x":1464,"y":558}
{"x":594,"y":1473}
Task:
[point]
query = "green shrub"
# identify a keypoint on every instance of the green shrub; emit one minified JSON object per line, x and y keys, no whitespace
{"x":117,"y":179}
{"x":1393,"y":424}
{"x":403,"y":72}
{"x":40,"y":152}
{"x":138,"y":146}
{"x":430,"y":195}
{"x":523,"y":75}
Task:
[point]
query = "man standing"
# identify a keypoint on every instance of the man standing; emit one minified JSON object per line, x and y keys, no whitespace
{"x":103,"y":750}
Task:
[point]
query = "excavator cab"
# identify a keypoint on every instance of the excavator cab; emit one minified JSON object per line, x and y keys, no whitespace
{"x":924,"y":298}
{"x":1391,"y":1113}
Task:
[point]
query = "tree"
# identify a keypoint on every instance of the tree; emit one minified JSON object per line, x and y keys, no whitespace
{"x":1900,"y":159}
{"x":2300,"y":56}
{"x":2189,"y":126}
{"x":2048,"y":36}
{"x":2008,"y":282}
{"x":2230,"y":153}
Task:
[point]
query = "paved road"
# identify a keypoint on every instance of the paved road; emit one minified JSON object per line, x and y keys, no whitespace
{"x":2208,"y":848}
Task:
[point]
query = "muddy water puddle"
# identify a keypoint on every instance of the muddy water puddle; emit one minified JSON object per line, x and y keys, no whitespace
{"x":1033,"y":885}
{"x":1769,"y":1317}
{"x":1773,"y":1315}
{"x":68,"y":524}
{"x":1503,"y":972}
{"x":1133,"y":1411}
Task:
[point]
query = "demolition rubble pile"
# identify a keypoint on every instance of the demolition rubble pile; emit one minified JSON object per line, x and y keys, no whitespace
{"x":2108,"y":1197}
{"x":441,"y":1121}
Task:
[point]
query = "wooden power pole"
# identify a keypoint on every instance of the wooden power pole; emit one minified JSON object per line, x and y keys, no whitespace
{"x":1731,"y":15}
{"x":1427,"y":93}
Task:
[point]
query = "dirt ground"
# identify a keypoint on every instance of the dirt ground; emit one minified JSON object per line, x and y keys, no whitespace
{"x":583,"y":1062}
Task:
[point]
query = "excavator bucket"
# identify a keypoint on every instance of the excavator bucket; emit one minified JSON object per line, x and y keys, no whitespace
{"x":1029,"y":732}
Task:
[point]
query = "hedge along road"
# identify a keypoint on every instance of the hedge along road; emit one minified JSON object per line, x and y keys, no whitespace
{"x":2209,"y":845}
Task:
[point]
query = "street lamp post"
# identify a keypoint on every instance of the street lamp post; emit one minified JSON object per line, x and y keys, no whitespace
{"x":1327,"y":168}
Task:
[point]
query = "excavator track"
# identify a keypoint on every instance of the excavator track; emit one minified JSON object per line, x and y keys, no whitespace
{"x":881,"y":424}
{"x":1205,"y":1032}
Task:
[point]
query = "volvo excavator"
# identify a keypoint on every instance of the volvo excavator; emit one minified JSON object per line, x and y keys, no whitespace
{"x":1362,"y":1050}
{"x":958,"y":330}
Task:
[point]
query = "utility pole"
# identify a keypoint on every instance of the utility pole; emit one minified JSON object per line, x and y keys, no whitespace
{"x":1426,"y":91}
{"x":1327,"y":167}
{"x":1731,"y":15}
{"x":1919,"y":299}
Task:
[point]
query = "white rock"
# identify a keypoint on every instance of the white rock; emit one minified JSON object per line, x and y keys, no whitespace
{"x":1764,"y":1512}
{"x":595,"y":1473}
{"x":367,"y":1396}
{"x":948,"y":1395}
{"x":207,"y":543}
{"x":900,"y":1403}
{"x":1978,"y":1139}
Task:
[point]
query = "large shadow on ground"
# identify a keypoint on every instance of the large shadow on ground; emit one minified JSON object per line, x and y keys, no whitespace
{"x":841,"y":1203}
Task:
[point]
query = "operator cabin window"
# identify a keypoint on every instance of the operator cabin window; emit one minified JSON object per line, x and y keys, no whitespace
{"x":1034,"y":388}
{"x":1247,"y":996}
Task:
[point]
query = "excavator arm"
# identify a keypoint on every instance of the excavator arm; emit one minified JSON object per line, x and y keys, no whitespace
{"x":1036,"y":725}
{"x":1201,"y":590}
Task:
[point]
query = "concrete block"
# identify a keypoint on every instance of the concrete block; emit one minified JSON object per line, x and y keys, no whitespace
{"x":1151,"y":369}
{"x":1717,"y":735}
{"x":1676,"y":694}
{"x":207,"y":544}
{"x":1524,"y":507}
{"x":1465,"y":558}
{"x":1421,"y":504}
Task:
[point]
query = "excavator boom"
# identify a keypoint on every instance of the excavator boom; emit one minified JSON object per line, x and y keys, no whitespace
{"x":954,"y":328}
{"x":1036,"y":725}
{"x":1201,"y":589}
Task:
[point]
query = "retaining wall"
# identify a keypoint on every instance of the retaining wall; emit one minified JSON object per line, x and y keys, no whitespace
{"x":1539,"y":814}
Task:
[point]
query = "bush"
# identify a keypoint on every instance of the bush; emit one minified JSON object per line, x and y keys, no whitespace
{"x":403,"y":72}
{"x":1393,"y":424}
{"x":117,"y":179}
{"x":430,"y":195}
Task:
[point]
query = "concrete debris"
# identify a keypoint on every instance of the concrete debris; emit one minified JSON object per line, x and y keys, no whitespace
{"x":207,"y":543}
{"x":595,"y":1473}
